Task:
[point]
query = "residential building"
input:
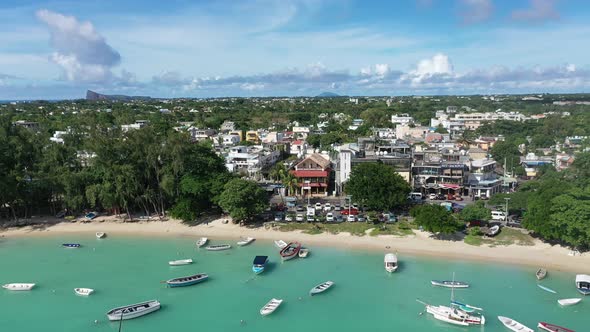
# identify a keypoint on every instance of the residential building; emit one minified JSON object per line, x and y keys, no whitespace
{"x":227,"y":126}
{"x":26,"y":124}
{"x":483,"y":180}
{"x":298,"y":148}
{"x":401,"y":119}
{"x":230,"y":140}
{"x":532,"y":163}
{"x":313,"y":175}
{"x":300,"y":132}
{"x":356,"y":123}
{"x":563,"y":161}
{"x":200,"y":134}
{"x":58,"y":136}
{"x":575,"y":141}
{"x":135,"y":126}
{"x":250,"y":160}
{"x":252,"y":136}
{"x":406,"y":131}
{"x":273,"y":137}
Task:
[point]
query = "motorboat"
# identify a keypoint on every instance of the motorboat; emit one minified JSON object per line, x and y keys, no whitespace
{"x":246,"y":241}
{"x":324,"y":286}
{"x":390,"y":262}
{"x":280,"y":244}
{"x":303,"y":253}
{"x":568,"y":302}
{"x":101,"y":235}
{"x":71,"y":245}
{"x":513,"y":325}
{"x":218,"y":247}
{"x":181,"y":262}
{"x":449,"y":283}
{"x":259,"y":264}
{"x":583,"y":283}
{"x":553,"y":327}
{"x":83,"y":291}
{"x":18,"y":286}
{"x":290,"y":251}
{"x":187,"y":281}
{"x":202,"y":241}
{"x":493,"y":231}
{"x":90,"y":216}
{"x":133,"y":310}
{"x":541,"y":274}
{"x":270,"y":307}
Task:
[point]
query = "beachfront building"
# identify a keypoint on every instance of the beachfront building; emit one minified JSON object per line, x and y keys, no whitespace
{"x":483,"y":180}
{"x":250,"y":161}
{"x":313,"y":175}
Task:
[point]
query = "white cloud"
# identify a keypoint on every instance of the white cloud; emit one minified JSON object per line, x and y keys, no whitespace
{"x":539,"y":11}
{"x":439,"y":64}
{"x":476,"y":11}
{"x":251,"y":86}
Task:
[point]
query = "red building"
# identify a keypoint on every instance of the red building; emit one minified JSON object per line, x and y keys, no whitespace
{"x":313,"y":175}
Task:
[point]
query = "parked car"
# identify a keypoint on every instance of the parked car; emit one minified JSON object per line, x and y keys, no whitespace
{"x":339,"y":218}
{"x":327,"y":207}
{"x":337,"y":207}
{"x":351,"y":218}
{"x":360,"y":218}
{"x":300,"y":217}
{"x":441,"y":197}
{"x":300,"y":208}
{"x":432,"y":196}
{"x":318,"y":206}
{"x":388,"y":217}
{"x":310,"y":218}
{"x":349,"y":211}
{"x":279,"y":217}
{"x":330,"y":217}
{"x":289,"y":217}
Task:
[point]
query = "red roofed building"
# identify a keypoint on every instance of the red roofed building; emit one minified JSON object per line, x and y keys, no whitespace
{"x":313,"y":175}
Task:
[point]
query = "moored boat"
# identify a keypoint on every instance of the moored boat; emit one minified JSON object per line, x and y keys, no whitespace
{"x":513,"y":325}
{"x":246,"y":241}
{"x":390,"y":262}
{"x":71,"y":245}
{"x":270,"y":307}
{"x":541,"y":273}
{"x":133,"y":310}
{"x":101,"y":235}
{"x":583,"y":283}
{"x":454,"y":316}
{"x":218,"y":247}
{"x":553,"y":327}
{"x":280,"y":244}
{"x":290,"y":251}
{"x":303,"y":252}
{"x":547,"y":289}
{"x":493,"y":231}
{"x":90,"y":216}
{"x":202,"y":241}
{"x":259,"y":264}
{"x":83,"y":291}
{"x":181,"y":262}
{"x":465,"y":307}
{"x":187,"y":281}
{"x":324,"y":286}
{"x":449,"y":283}
{"x":568,"y":302}
{"x":19,"y":286}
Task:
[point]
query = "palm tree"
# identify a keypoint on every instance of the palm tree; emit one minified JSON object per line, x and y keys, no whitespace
{"x":290,"y":182}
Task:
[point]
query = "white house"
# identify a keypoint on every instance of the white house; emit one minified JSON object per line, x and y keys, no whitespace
{"x":402,"y":119}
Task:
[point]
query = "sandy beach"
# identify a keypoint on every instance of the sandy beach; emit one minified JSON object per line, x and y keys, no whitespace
{"x":421,"y":244}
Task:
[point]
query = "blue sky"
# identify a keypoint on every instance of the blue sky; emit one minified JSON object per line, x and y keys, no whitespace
{"x":181,"y":48}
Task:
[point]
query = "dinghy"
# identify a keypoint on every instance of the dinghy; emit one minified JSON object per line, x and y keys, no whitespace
{"x":390,"y":262}
{"x":246,"y":241}
{"x":133,"y":310}
{"x":270,"y":307}
{"x":541,"y":274}
{"x":493,"y":231}
{"x":259,"y":264}
{"x":101,"y":235}
{"x":513,"y":325}
{"x":202,"y":241}
{"x":547,"y":289}
{"x":280,"y":244}
{"x":18,"y":286}
{"x":290,"y":251}
{"x":187,"y":281}
{"x":71,"y":245}
{"x":552,"y":327}
{"x":449,"y":284}
{"x":324,"y":286}
{"x":83,"y":291}
{"x":218,"y":247}
{"x":303,"y":253}
{"x":181,"y":262}
{"x":568,"y":302}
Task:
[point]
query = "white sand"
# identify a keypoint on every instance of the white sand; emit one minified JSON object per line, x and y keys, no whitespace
{"x":539,"y":255}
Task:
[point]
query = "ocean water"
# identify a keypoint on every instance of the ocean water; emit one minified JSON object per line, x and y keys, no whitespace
{"x":126,"y":270}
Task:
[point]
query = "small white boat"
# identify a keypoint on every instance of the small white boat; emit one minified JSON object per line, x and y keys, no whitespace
{"x":303,"y":253}
{"x":218,"y":247}
{"x":513,"y":325}
{"x":390,"y":262}
{"x":246,"y":241}
{"x":324,"y":286}
{"x":101,"y":235}
{"x":18,"y":286}
{"x":280,"y":244}
{"x":541,"y":273}
{"x":84,"y":291}
{"x":270,"y":307}
{"x":449,"y":283}
{"x":133,"y":310}
{"x":568,"y":302}
{"x":202,"y":241}
{"x":583,"y":283}
{"x":493,"y":231}
{"x":181,"y":262}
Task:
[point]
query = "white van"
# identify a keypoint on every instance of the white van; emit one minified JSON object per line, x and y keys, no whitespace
{"x":498,"y":215}
{"x":415,"y":196}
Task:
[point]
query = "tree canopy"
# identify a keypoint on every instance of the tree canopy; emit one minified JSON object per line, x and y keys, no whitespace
{"x":243,"y":199}
{"x":476,"y":211}
{"x":435,"y":219}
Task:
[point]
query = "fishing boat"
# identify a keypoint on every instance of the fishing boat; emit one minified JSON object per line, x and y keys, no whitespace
{"x":246,"y":241}
{"x":101,"y":235}
{"x":71,"y":245}
{"x":218,"y":247}
{"x":493,"y":231}
{"x":18,"y":286}
{"x":83,"y":291}
{"x":568,"y":302}
{"x":324,"y":286}
{"x":202,"y":241}
{"x":181,"y":262}
{"x":552,"y":327}
{"x":280,"y":244}
{"x":541,"y":274}
{"x":449,"y":284}
{"x":303,"y":252}
{"x":583,"y":283}
{"x":390,"y":262}
{"x":290,"y":251}
{"x":513,"y":325}
{"x":133,"y":310}
{"x":187,"y":281}
{"x":547,"y":289}
{"x":270,"y":307}
{"x":259,"y":264}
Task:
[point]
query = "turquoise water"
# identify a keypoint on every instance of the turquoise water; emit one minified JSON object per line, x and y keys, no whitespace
{"x":364,"y":298}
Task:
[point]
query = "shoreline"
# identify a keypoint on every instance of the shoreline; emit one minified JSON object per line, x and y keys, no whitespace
{"x":539,"y":255}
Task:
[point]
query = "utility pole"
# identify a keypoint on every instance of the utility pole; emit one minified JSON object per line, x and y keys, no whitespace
{"x":506,"y":199}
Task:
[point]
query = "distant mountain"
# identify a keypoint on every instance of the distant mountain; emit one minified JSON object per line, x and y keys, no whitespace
{"x":328,"y":95}
{"x":91,"y":95}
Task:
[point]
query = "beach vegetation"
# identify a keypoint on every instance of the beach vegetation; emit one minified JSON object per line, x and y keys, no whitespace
{"x":476,"y":211}
{"x":435,"y":219}
{"x":243,"y":199}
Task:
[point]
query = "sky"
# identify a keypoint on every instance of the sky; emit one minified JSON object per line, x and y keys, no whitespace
{"x":181,"y":48}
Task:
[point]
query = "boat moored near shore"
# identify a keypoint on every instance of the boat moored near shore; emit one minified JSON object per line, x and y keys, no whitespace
{"x":259,"y":264}
{"x":187,"y":281}
{"x":218,"y":247}
{"x":180,"y":262}
{"x":19,"y":286}
{"x":541,"y":274}
{"x":84,"y":291}
{"x":270,"y":307}
{"x":202,"y":241}
{"x":390,"y":262}
{"x":71,"y":245}
{"x":449,"y":284}
{"x":133,"y":310}
{"x":583,"y":283}
{"x":101,"y":235}
{"x":568,"y":302}
{"x":290,"y":251}
{"x":553,"y":327}
{"x":245,"y":241}
{"x":513,"y":325}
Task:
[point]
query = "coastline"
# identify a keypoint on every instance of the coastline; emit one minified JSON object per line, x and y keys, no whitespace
{"x":539,"y":255}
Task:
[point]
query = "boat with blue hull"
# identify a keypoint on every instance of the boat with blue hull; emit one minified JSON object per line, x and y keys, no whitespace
{"x":259,"y":264}
{"x":71,"y":245}
{"x":187,"y":281}
{"x":583,"y":283}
